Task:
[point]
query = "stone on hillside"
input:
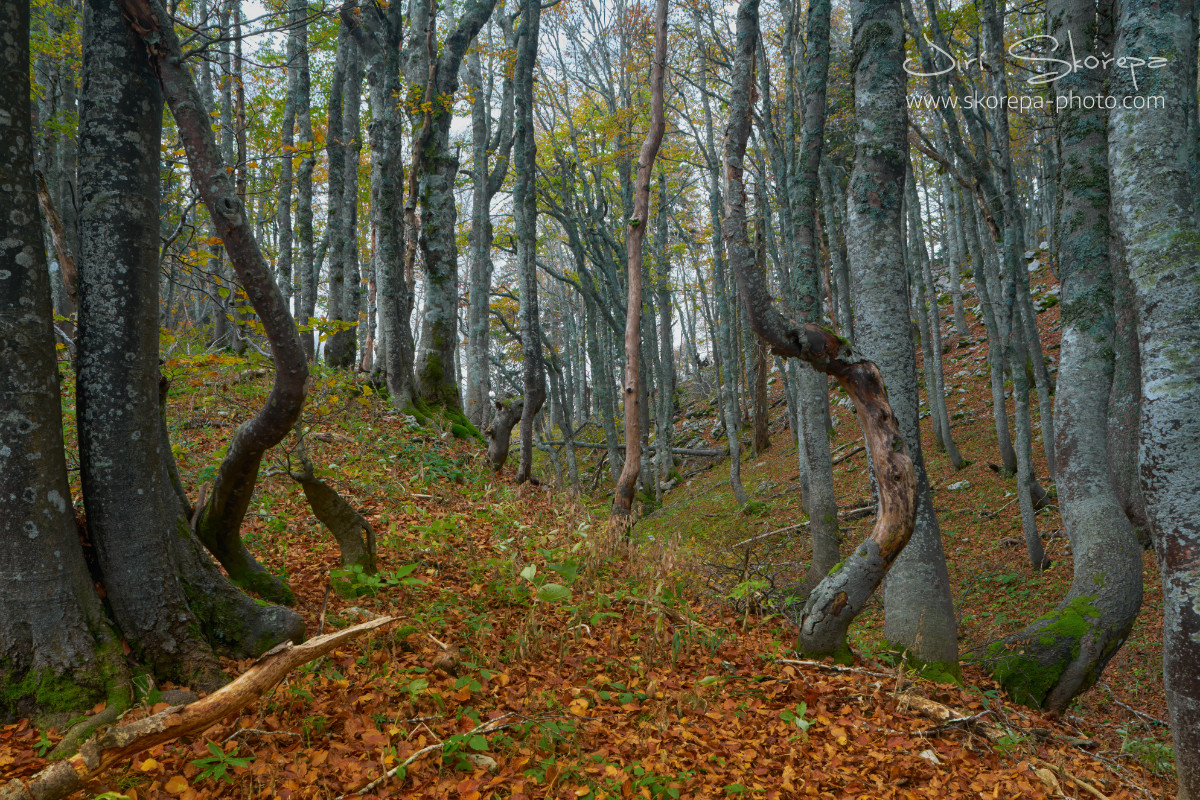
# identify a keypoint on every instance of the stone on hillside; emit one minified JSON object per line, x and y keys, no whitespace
{"x":959,"y":486}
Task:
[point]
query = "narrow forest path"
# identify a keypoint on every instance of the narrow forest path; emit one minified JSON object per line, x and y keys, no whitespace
{"x":581,"y":668}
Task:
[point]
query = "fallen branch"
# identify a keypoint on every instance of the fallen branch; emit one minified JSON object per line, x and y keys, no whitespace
{"x":1131,"y":709}
{"x":851,"y":454}
{"x":670,"y":613}
{"x":1064,"y":775}
{"x":947,"y":716}
{"x":699,"y":452}
{"x":118,"y":745}
{"x":484,"y":727}
{"x":851,"y":514}
{"x":797,"y":662}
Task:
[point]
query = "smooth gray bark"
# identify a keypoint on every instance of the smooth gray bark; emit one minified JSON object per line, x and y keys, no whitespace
{"x":1064,"y":652}
{"x":129,"y":516}
{"x":1153,"y":194}
{"x":435,"y":166}
{"x":919,"y":612}
{"x":533,"y":376}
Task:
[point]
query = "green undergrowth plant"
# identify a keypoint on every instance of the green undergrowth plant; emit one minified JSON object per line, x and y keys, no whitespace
{"x":354,"y":581}
{"x":1154,"y":755}
{"x":219,"y":763}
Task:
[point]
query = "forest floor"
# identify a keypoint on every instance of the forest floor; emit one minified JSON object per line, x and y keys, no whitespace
{"x":587,"y":667}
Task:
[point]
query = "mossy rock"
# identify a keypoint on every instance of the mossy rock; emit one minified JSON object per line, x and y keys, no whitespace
{"x":462,"y":432}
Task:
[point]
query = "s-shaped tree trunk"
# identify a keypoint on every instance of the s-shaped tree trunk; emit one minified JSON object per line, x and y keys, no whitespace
{"x":839,"y":598}
{"x":622,"y":506}
{"x":218,"y":523}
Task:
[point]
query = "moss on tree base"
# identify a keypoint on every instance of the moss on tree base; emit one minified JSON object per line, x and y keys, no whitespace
{"x":1029,"y":673}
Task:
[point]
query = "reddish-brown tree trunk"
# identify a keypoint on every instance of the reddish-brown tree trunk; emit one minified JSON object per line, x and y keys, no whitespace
{"x":623,"y":499}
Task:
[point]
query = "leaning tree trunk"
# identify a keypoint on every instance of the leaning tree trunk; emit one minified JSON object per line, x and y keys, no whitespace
{"x":1152,"y":193}
{"x":626,"y":484}
{"x":58,"y":651}
{"x":219,"y":522}
{"x":533,"y":373}
{"x":842,"y":594}
{"x":1062,"y":653}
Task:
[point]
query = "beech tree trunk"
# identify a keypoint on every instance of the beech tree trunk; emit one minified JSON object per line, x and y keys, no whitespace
{"x":436,"y":170}
{"x":919,"y":610}
{"x":721,"y":327}
{"x":129,"y":518}
{"x":219,"y":522}
{"x":533,"y":375}
{"x":487,"y":180}
{"x":622,"y":506}
{"x":54,"y":639}
{"x":1153,"y":193}
{"x":379,"y":32}
{"x":842,"y":594}
{"x":307,"y":280}
{"x":1062,"y":653}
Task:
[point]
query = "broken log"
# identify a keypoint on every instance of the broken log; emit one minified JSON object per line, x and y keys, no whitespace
{"x":117,"y":745}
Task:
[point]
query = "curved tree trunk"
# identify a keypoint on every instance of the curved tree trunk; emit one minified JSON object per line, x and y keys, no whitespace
{"x":1064,"y":652}
{"x":165,"y":592}
{"x":1152,"y":193}
{"x":219,"y":522}
{"x":841,"y":595}
{"x":499,"y":433}
{"x":354,"y":535}
{"x":918,"y":608}
{"x":53,"y":633}
{"x":626,"y":484}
